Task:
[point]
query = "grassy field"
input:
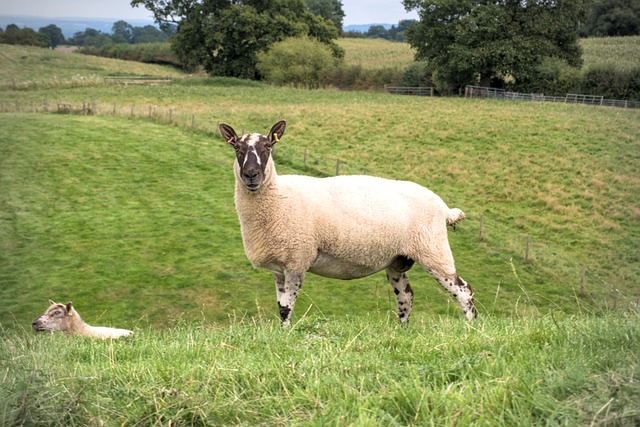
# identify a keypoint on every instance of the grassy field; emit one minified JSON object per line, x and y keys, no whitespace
{"x":624,"y":52}
{"x":357,"y":371}
{"x":115,"y":212}
{"x":129,"y":213}
{"x":376,"y":53}
{"x":26,"y":66}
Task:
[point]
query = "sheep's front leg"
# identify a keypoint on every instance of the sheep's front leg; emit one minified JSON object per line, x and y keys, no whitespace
{"x":287,"y":288}
{"x":404,"y":294}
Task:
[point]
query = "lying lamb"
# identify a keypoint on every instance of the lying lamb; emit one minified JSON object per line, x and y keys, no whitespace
{"x":60,"y":317}
{"x":342,"y":227}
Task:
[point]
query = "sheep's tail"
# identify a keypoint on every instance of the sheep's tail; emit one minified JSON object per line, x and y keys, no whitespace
{"x":454,"y":216}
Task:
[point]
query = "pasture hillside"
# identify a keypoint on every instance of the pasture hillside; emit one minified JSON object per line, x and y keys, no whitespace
{"x":133,"y":218}
{"x":27,"y":66}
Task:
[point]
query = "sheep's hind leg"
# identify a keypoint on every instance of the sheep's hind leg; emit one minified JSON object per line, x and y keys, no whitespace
{"x":460,"y":289}
{"x":287,"y":288}
{"x":396,"y":274}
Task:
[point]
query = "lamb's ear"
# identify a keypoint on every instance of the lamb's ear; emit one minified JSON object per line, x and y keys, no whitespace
{"x":69,"y":307}
{"x":51,"y":302}
{"x":276,"y":132}
{"x":228,"y":134}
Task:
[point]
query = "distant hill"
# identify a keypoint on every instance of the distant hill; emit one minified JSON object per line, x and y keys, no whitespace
{"x":69,"y":26}
{"x":363,"y":28}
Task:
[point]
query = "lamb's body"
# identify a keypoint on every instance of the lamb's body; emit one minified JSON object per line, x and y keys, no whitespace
{"x":343,"y":227}
{"x":314,"y":231}
{"x":64,"y":318}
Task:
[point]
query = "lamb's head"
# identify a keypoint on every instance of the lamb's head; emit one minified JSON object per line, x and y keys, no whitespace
{"x":253,"y":153}
{"x":56,"y":318}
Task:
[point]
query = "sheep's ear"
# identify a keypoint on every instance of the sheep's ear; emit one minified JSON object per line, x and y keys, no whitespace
{"x":69,"y":306}
{"x":228,"y":134}
{"x":276,"y":132}
{"x":51,"y":302}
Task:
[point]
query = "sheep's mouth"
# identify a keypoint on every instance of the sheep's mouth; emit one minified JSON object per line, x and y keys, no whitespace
{"x":252,"y":187}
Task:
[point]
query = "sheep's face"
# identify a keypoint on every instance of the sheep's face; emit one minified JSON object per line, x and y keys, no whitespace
{"x":252,"y":153}
{"x":56,"y":318}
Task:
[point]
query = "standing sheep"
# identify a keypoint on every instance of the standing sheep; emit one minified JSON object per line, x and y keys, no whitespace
{"x":343,"y":227}
{"x":61,"y":317}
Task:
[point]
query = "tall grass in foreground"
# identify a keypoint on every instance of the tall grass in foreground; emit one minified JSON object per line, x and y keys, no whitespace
{"x":365,"y":371}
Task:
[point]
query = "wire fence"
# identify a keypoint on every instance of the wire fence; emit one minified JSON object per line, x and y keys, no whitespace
{"x":588,"y":284}
{"x":569,"y":98}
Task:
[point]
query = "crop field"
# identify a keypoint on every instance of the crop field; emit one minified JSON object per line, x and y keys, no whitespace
{"x":619,"y":52}
{"x":129,"y":213}
{"x":376,"y":53}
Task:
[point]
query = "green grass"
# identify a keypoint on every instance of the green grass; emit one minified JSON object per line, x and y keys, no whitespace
{"x":361,"y":371}
{"x":32,"y":67}
{"x":134,"y":219}
{"x":624,"y":52}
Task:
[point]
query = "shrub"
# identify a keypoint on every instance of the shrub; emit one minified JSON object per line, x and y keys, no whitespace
{"x":417,"y":74}
{"x":297,"y":61}
{"x":555,"y":76}
{"x":612,"y":82}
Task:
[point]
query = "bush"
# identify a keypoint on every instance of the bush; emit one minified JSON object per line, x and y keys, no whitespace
{"x":297,"y":61}
{"x":612,"y":82}
{"x":555,"y":77}
{"x":418,"y":74}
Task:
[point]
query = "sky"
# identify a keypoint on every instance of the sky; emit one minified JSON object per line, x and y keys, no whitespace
{"x":356,"y":11}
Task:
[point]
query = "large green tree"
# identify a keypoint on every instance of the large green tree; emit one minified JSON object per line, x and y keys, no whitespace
{"x":474,"y":41}
{"x":614,"y":18}
{"x":225,"y":36}
{"x":54,"y":34}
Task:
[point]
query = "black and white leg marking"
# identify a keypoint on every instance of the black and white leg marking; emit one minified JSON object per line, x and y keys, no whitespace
{"x":404,"y":294}
{"x":461,"y":291}
{"x":287,"y":288}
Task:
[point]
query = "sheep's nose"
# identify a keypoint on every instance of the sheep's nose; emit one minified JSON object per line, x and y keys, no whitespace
{"x":251,"y":174}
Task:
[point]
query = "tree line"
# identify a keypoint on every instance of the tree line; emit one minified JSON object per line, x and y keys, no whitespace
{"x":51,"y":35}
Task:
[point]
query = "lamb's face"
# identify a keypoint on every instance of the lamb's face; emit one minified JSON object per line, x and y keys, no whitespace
{"x":56,"y":318}
{"x":253,"y":152}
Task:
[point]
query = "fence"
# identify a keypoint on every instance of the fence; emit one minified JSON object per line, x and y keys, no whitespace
{"x":569,"y":98}
{"x":526,"y":248}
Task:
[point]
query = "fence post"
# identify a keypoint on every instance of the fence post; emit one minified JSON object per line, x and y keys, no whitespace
{"x":305,"y":158}
{"x":337,"y":167}
{"x":583,"y":291}
{"x":132,"y":109}
{"x":526,"y":251}
{"x":481,"y":227}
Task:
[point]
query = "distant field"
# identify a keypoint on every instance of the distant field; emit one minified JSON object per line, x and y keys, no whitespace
{"x":376,"y":53}
{"x":622,"y":52}
{"x":26,"y":66}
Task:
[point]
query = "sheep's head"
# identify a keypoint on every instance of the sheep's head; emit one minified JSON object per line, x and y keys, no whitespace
{"x":56,"y":318}
{"x":253,"y":152}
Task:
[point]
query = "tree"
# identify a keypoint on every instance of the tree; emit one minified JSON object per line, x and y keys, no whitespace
{"x":53,"y":33}
{"x":614,"y":18}
{"x":476,"y":41}
{"x":23,"y":36}
{"x":148,"y":34}
{"x":90,"y":37}
{"x":225,"y":36}
{"x":122,"y":32}
{"x":328,"y":9}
